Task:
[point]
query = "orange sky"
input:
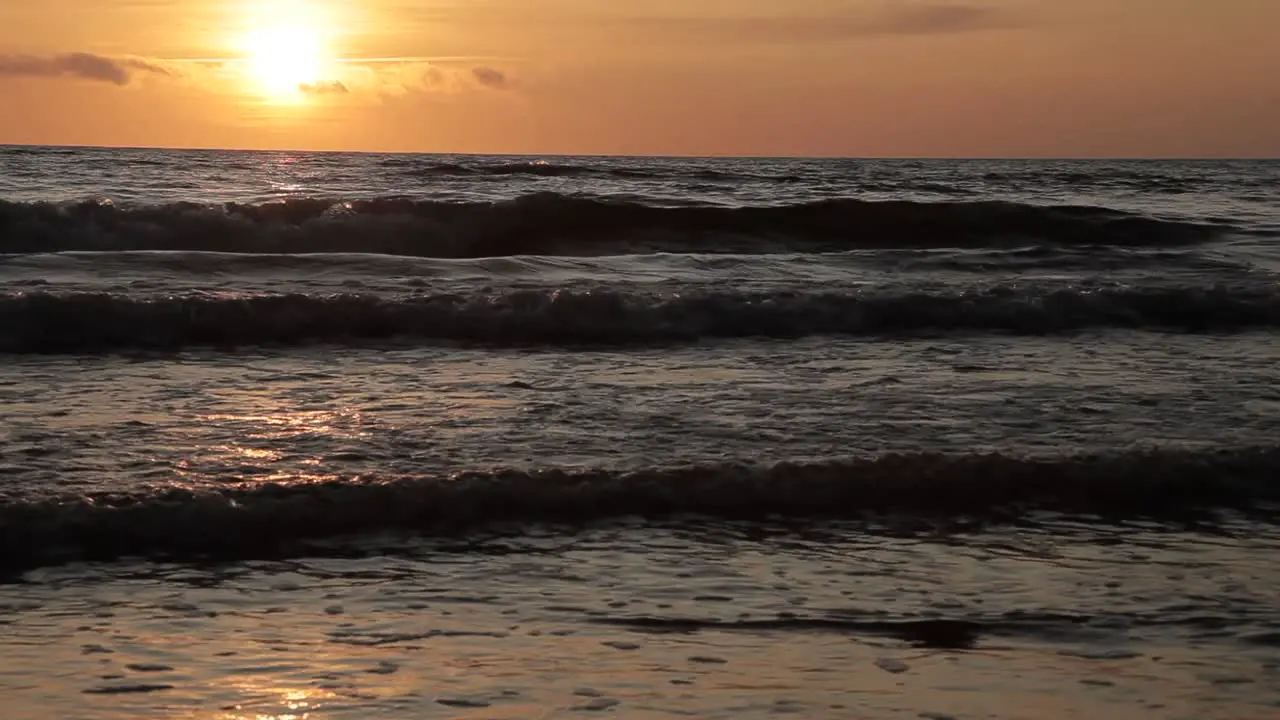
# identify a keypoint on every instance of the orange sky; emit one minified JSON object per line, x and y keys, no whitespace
{"x":742,"y":77}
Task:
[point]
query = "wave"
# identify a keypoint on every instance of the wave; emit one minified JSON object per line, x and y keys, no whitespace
{"x":678,"y":174}
{"x":963,"y":632}
{"x":963,"y":629}
{"x":252,"y":520}
{"x":40,"y":322}
{"x":555,"y":224}
{"x":160,"y":269}
{"x":543,"y":168}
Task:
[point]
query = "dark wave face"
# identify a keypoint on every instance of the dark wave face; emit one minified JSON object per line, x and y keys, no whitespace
{"x":543,"y":168}
{"x":552,"y":224}
{"x":539,"y":169}
{"x":85,"y":322}
{"x":253,"y":521}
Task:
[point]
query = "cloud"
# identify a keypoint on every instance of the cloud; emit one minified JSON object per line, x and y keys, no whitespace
{"x":891,"y":19}
{"x":913,"y":19}
{"x":401,"y":76}
{"x":490,"y":77}
{"x":85,"y":66}
{"x":325,"y":87}
{"x":353,"y":77}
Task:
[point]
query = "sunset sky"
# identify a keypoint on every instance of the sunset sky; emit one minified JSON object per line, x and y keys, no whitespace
{"x":743,"y":77}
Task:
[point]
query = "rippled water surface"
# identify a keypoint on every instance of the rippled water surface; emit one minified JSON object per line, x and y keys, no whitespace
{"x":205,"y":419}
{"x":322,"y":435}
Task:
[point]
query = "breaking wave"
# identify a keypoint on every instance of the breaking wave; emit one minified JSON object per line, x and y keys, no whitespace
{"x":554,"y":224}
{"x":249,"y":520}
{"x":40,"y":322}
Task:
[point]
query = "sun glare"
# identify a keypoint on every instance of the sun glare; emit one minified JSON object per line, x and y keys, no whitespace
{"x":284,"y":51}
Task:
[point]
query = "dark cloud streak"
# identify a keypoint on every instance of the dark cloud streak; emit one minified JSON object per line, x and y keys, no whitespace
{"x":905,"y":18}
{"x":913,"y":19}
{"x":85,"y":66}
{"x":490,"y":77}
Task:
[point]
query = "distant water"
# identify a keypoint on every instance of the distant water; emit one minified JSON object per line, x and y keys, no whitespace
{"x":843,"y":395}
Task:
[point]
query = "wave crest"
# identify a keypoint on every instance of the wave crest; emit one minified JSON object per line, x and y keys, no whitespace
{"x":40,"y":322}
{"x":253,"y":520}
{"x":554,"y":224}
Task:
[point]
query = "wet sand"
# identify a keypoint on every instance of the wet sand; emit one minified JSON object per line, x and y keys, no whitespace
{"x":573,"y":626}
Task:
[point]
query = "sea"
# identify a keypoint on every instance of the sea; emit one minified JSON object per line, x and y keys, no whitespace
{"x":300,"y":435}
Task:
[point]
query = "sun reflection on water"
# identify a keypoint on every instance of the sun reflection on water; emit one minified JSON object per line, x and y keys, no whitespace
{"x":275,"y":703}
{"x":282,"y":446}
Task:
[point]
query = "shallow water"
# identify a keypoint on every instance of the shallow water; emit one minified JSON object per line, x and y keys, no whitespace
{"x":820,"y":621}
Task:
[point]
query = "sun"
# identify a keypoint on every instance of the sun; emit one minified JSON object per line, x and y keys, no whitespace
{"x":282,"y":61}
{"x":284,"y":51}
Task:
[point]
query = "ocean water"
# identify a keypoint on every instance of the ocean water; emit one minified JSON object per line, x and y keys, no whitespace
{"x":293,"y":435}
